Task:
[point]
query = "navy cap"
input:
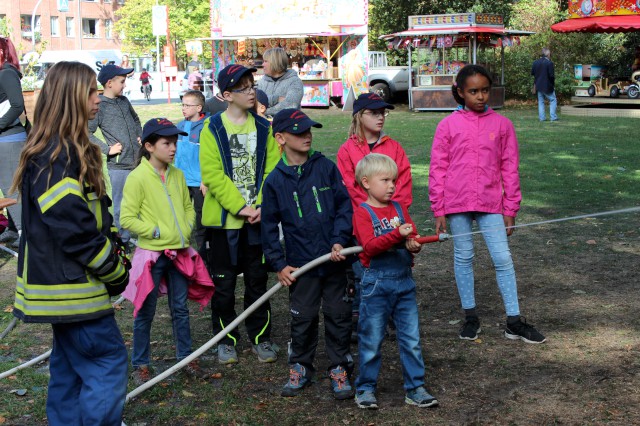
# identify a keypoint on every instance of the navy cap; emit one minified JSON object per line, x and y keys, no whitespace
{"x":162,"y":127}
{"x":262,"y":97}
{"x":292,"y":120}
{"x":231,"y":75}
{"x":110,"y":71}
{"x":369,"y":101}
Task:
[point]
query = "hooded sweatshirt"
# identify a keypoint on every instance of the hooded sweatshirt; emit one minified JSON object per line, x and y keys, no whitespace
{"x":474,"y":165}
{"x":188,"y":153}
{"x":118,"y":122}
{"x":288,"y":86}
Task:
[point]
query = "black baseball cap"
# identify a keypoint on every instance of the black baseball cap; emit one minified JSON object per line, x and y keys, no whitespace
{"x":262,"y":97}
{"x":369,"y":101}
{"x":110,"y":71}
{"x":162,"y":127}
{"x":292,"y":120}
{"x":230,"y":75}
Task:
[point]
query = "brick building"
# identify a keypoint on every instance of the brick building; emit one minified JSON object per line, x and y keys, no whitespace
{"x":86,"y":25}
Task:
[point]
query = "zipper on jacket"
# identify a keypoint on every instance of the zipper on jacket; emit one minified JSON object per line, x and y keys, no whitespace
{"x":295,"y":197}
{"x":173,"y":210}
{"x":315,"y":195}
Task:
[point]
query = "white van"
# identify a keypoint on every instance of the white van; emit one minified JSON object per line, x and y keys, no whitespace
{"x":96,"y":59}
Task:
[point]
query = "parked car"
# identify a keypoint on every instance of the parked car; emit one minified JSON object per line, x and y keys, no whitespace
{"x":385,"y":80}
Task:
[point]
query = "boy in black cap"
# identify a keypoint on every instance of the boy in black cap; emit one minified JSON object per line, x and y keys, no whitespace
{"x":305,"y":193}
{"x":121,"y":130}
{"x":237,"y":152}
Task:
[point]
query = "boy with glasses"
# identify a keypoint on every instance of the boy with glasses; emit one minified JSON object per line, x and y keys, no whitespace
{"x":188,"y":157}
{"x":237,"y":152}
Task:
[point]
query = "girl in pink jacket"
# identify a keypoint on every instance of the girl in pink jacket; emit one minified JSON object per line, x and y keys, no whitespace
{"x":366,"y":136}
{"x":474,"y":176}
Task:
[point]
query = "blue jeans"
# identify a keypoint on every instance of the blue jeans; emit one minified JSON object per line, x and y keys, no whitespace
{"x":495,"y":237}
{"x":553,"y":105}
{"x":177,"y":295}
{"x":118,"y":178}
{"x":88,"y":369}
{"x":386,"y":293}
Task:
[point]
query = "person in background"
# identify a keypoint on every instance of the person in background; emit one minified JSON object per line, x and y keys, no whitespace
{"x":282,"y":86}
{"x":473,"y":176}
{"x":145,"y":80}
{"x":544,"y":80}
{"x":195,"y":81}
{"x":237,"y":152}
{"x":306,"y":194}
{"x":121,"y":130}
{"x":262,"y":101}
{"x":70,"y":261}
{"x":12,"y":133}
{"x":188,"y":157}
{"x":125,"y":63}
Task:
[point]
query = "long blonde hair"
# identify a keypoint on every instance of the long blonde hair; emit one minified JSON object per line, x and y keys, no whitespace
{"x":62,"y":112}
{"x":356,"y":127}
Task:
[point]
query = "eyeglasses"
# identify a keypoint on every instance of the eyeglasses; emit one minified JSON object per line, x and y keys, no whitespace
{"x":187,"y":106}
{"x":377,"y":114}
{"x":245,"y":91}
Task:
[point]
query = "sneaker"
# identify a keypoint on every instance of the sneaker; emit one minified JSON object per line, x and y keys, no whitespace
{"x":420,"y":397}
{"x":340,"y":383}
{"x":298,"y":380}
{"x":16,"y":243}
{"x":523,"y":331}
{"x":141,"y":375}
{"x":227,"y":354}
{"x":470,"y":328}
{"x":366,"y":399}
{"x":265,"y":352}
{"x":8,"y":236}
{"x":194,"y":370}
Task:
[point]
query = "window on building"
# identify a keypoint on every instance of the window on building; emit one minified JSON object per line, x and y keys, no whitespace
{"x":89,"y":27}
{"x":55,"y":26}
{"x":120,"y":1}
{"x":25,"y":25}
{"x":70,"y":28}
{"x":108,"y":28}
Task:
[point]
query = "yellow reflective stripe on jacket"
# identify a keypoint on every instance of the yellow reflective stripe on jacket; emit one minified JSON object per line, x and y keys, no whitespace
{"x":117,"y":273}
{"x":58,"y":191}
{"x":102,"y":255}
{"x":94,"y":204}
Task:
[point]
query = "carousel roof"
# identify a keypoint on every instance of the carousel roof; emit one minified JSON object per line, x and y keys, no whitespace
{"x":599,"y":24}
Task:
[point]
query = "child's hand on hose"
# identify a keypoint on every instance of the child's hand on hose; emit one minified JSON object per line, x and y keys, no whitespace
{"x":413,"y":245}
{"x":335,"y":253}
{"x":285,"y":277}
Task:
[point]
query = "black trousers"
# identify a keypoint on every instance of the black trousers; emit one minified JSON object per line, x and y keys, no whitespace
{"x":224,"y":275}
{"x":200,"y":231}
{"x":305,"y":297}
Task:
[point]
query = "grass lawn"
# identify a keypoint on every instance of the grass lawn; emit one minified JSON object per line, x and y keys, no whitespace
{"x":577,"y":283}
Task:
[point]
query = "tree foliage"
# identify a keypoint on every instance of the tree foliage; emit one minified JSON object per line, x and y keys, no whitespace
{"x":188,"y":19}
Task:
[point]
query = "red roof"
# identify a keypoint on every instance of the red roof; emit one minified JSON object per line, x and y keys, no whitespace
{"x":599,"y":24}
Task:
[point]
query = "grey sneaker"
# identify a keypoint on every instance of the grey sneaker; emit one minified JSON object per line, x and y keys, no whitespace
{"x":367,"y":400}
{"x":227,"y":354}
{"x":420,"y":397}
{"x":265,"y":352}
{"x":8,"y":236}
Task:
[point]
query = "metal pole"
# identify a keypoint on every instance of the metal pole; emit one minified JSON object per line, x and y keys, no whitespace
{"x":502,"y":61}
{"x":33,"y":25}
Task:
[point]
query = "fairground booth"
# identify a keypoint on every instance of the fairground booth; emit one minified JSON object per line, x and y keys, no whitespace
{"x":612,"y":94}
{"x":326,"y":41}
{"x":440,"y":45}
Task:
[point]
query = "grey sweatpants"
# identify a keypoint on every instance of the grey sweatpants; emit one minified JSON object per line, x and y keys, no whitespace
{"x":9,"y":158}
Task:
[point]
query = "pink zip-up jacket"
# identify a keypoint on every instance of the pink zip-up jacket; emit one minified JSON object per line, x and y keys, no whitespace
{"x":474,"y":165}
{"x":352,"y":151}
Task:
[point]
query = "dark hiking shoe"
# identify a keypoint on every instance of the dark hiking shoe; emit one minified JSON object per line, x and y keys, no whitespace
{"x":470,"y":328}
{"x":420,"y":397}
{"x":297,"y":381}
{"x":340,"y":383}
{"x":523,"y":331}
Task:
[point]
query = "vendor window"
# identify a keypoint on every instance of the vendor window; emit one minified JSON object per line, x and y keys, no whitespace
{"x":89,"y":27}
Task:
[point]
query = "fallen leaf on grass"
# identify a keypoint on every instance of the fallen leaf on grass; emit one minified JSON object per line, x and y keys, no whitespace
{"x":261,"y":406}
{"x":8,"y":308}
{"x":591,"y":242}
{"x":579,"y":292}
{"x":4,"y":347}
{"x":2,"y":420}
{"x":478,"y":341}
{"x":216,"y":376}
{"x":345,"y":421}
{"x":454,"y":322}
{"x":187,"y":394}
{"x":118,"y":307}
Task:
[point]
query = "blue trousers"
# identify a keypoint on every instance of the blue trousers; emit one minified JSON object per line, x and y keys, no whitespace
{"x":118,"y":178}
{"x":177,"y":294}
{"x":495,"y":236}
{"x":88,"y":367}
{"x":553,"y":105}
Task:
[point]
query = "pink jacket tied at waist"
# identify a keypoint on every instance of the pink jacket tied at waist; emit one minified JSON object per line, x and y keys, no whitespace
{"x":351,"y":152}
{"x":474,"y":165}
{"x":187,"y":261}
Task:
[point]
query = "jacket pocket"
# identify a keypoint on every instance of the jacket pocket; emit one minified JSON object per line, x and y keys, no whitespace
{"x":72,"y":270}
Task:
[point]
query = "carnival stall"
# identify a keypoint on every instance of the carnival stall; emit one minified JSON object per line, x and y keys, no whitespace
{"x":326,"y":41}
{"x":445,"y":43}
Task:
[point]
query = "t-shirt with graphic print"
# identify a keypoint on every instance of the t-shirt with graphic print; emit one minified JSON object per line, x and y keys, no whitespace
{"x":243,"y":141}
{"x":364,"y":232}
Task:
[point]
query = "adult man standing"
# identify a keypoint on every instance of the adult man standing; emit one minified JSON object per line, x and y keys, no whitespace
{"x":544,"y":80}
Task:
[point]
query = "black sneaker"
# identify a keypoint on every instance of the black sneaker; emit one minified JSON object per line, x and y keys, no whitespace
{"x":470,"y":328}
{"x":523,"y":331}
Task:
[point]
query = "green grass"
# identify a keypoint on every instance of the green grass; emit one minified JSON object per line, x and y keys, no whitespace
{"x":572,"y":167}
